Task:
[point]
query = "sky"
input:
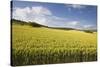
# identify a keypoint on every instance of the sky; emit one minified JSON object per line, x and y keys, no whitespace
{"x":56,"y":14}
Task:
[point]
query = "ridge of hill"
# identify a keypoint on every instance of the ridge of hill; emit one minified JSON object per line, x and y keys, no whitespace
{"x":34,"y":24}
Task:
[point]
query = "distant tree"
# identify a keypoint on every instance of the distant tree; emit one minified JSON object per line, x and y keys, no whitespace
{"x":88,"y":31}
{"x":19,"y":22}
{"x":33,"y":24}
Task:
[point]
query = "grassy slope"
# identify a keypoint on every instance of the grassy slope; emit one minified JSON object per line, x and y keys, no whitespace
{"x":43,"y":45}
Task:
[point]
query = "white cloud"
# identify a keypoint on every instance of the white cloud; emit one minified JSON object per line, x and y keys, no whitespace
{"x":73,"y":24}
{"x":31,"y":14}
{"x":41,"y":10}
{"x":76,"y":6}
{"x":70,"y":7}
{"x":89,"y":27}
{"x":21,"y":14}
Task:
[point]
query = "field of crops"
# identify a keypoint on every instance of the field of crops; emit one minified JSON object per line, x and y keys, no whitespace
{"x":32,"y":45}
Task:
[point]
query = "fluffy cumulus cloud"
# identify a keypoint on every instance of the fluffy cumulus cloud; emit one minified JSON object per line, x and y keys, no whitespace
{"x":31,"y":14}
{"x":44,"y":16}
{"x":41,"y":10}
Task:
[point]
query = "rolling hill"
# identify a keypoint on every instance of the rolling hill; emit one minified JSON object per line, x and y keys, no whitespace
{"x":34,"y":24}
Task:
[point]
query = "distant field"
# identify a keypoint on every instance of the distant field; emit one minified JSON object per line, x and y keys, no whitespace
{"x":39,"y":45}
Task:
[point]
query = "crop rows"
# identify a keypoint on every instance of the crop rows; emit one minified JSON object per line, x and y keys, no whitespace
{"x":32,"y":45}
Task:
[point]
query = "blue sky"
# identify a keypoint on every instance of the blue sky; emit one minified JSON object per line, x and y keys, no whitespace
{"x":56,"y":14}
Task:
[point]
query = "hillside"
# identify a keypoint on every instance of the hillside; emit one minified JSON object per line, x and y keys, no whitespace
{"x":34,"y":24}
{"x":41,"y":45}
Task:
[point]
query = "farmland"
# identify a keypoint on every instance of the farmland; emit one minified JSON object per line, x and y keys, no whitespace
{"x":41,"y":45}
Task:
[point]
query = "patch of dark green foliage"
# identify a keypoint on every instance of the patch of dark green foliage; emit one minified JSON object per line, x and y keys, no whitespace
{"x":88,"y":31}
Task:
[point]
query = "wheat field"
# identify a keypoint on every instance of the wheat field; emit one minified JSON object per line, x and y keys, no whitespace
{"x":31,"y":45}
